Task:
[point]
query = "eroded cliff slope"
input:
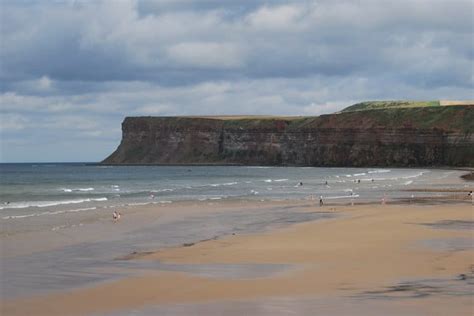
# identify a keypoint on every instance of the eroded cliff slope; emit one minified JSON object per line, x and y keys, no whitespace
{"x":407,"y":136}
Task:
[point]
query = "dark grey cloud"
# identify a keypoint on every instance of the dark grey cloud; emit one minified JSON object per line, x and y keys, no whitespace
{"x":88,"y":64}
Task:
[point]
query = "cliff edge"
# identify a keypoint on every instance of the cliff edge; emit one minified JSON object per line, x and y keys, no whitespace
{"x":366,"y":134}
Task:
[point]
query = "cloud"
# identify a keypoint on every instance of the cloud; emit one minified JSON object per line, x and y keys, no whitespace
{"x":206,"y":55}
{"x":13,"y":122}
{"x":75,"y":69}
{"x":275,"y":17}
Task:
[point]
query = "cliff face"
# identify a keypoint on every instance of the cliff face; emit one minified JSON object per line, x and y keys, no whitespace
{"x":435,"y":136}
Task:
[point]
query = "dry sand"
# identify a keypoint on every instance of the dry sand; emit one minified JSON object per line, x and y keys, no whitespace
{"x":366,"y":253}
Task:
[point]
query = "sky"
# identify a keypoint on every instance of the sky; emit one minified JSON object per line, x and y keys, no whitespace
{"x":71,"y":71}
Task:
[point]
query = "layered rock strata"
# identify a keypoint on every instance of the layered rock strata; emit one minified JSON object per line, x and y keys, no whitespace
{"x":431,"y":136}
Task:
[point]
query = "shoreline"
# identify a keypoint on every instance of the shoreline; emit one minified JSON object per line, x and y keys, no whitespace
{"x":158,"y":288}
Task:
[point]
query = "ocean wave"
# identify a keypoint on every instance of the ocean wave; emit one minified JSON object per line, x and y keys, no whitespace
{"x":340,"y":197}
{"x":77,"y":189}
{"x":212,"y":198}
{"x":379,"y":171}
{"x":280,"y":180}
{"x":162,"y":190}
{"x":27,"y":204}
{"x":222,"y":184}
{"x":419,"y":174}
{"x":49,"y":213}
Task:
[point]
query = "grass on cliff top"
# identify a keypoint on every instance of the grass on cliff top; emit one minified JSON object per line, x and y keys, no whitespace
{"x":378,"y":105}
{"x":454,"y":118}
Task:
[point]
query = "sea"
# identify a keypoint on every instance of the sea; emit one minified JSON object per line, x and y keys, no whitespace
{"x":57,"y":232}
{"x":54,"y":189}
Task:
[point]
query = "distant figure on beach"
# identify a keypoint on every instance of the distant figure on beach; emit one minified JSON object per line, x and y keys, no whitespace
{"x":321,"y":203}
{"x":358,"y":181}
{"x":326,"y":183}
{"x":373,"y":180}
{"x":116,"y":216}
{"x":300,"y":184}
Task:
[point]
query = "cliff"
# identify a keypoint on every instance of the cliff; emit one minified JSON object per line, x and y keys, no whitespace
{"x":382,"y":136}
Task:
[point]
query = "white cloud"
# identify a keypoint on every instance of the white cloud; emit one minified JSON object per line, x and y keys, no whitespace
{"x":75,"y":69}
{"x":158,"y":109}
{"x":275,"y":17}
{"x":207,"y":55}
{"x":44,"y":83}
{"x":13,"y":122}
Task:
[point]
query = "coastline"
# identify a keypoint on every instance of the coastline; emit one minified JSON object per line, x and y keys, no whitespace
{"x":365,"y":251}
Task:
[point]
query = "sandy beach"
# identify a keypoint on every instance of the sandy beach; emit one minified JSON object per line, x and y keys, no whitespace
{"x":405,"y":259}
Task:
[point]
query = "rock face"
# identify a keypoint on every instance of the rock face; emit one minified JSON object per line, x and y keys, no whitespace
{"x":429,"y":136}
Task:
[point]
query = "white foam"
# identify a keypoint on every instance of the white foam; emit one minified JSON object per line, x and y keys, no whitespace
{"x":49,"y":203}
{"x":162,"y":190}
{"x":359,"y":174}
{"x":268,"y":180}
{"x":223,"y":184}
{"x":408,"y":182}
{"x":49,"y":213}
{"x":77,"y":189}
{"x":379,"y":171}
{"x":341,"y":197}
{"x":280,"y":180}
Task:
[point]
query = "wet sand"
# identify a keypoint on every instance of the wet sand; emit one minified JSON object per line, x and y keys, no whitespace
{"x":406,"y":259}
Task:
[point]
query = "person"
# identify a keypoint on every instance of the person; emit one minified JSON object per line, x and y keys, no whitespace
{"x":301,"y":184}
{"x":326,"y":183}
{"x":116,"y":216}
{"x":321,"y":203}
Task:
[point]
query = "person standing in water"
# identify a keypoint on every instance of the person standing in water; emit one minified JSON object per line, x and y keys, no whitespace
{"x":321,"y":203}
